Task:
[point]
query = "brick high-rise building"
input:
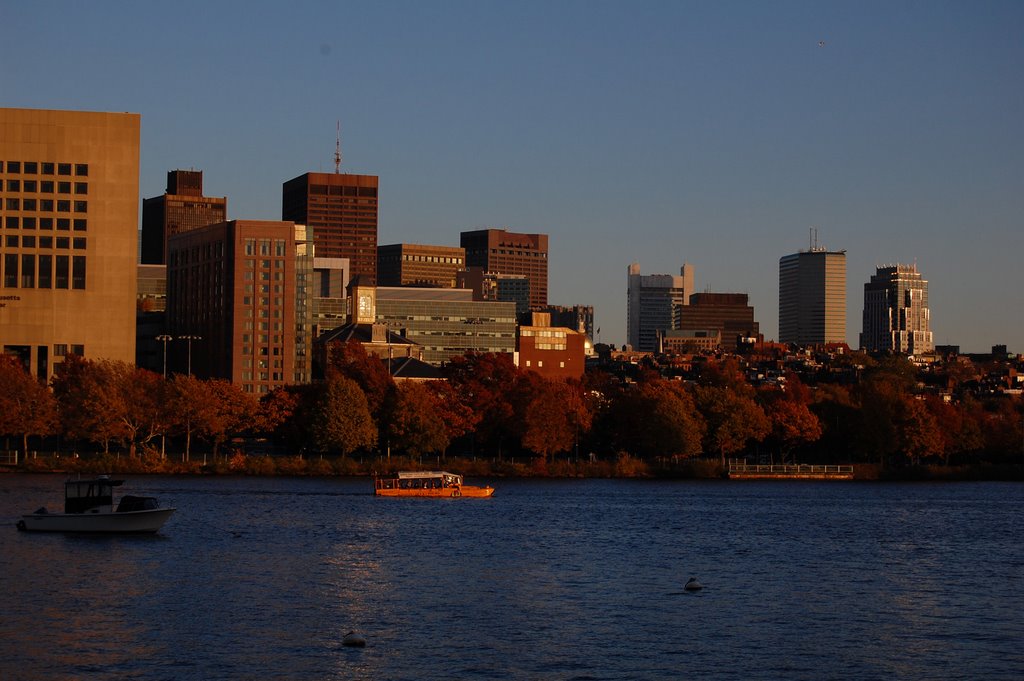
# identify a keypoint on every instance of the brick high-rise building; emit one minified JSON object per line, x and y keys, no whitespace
{"x":182,"y":208}
{"x":812,"y":297}
{"x":419,"y":265}
{"x":69,"y":215}
{"x":242,"y":290}
{"x":499,"y":251}
{"x":728,"y":313}
{"x":341,"y":211}
{"x":896,"y":313}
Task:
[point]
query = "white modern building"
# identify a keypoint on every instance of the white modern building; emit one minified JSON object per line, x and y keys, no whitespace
{"x":653,"y":304}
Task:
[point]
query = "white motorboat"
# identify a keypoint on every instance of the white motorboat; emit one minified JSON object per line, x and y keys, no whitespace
{"x":89,"y":507}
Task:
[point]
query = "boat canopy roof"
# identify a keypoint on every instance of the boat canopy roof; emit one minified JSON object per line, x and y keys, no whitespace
{"x":413,"y":475}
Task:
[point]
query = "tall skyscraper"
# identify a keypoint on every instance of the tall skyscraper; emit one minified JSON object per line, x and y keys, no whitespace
{"x":654,"y":303}
{"x":69,"y":211}
{"x":341,"y":211}
{"x":241,"y":290}
{"x":812,"y":297}
{"x":499,"y":251}
{"x":182,"y":208}
{"x":896,"y":314}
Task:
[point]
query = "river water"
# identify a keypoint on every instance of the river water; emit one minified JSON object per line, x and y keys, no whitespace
{"x":581,"y":579}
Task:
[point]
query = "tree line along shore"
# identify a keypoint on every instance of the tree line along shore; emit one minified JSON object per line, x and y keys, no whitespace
{"x":488,"y":417}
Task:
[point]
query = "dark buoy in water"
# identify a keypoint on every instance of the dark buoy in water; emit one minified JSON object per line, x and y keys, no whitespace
{"x":353,"y":640}
{"x":693,"y":585}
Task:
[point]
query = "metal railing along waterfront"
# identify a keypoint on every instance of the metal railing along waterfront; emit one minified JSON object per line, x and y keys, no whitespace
{"x":791,"y":469}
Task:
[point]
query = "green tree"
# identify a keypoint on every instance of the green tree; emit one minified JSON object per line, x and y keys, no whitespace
{"x":339,"y":417}
{"x":416,"y":425}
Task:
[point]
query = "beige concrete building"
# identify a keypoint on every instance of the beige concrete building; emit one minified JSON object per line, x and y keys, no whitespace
{"x":69,"y":215}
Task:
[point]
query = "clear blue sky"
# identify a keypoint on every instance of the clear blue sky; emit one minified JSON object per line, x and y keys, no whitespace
{"x":714,"y":133}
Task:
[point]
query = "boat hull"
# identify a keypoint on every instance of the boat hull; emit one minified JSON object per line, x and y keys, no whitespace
{"x":442,"y":492}
{"x":125,"y":522}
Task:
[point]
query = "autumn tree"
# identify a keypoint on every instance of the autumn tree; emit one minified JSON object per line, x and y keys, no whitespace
{"x":732,"y":419}
{"x":544,"y":415}
{"x":192,"y":404}
{"x":486,"y":381}
{"x":369,"y":372}
{"x":652,"y":418}
{"x":233,"y":411}
{"x":792,"y":422}
{"x":87,"y":401}
{"x":26,"y":407}
{"x":416,"y":425}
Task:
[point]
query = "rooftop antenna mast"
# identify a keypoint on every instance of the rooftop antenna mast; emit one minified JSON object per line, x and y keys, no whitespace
{"x":337,"y":151}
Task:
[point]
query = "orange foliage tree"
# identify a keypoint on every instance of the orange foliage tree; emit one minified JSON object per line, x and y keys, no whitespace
{"x":26,"y":407}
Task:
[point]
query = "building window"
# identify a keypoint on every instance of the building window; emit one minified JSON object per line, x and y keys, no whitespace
{"x":10,"y":267}
{"x":12,"y":222}
{"x":45,"y":270}
{"x":63,"y":168}
{"x":48,"y":170}
{"x":13,"y":204}
{"x":63,"y":242}
{"x":63,"y":206}
{"x":63,"y":224}
{"x":28,"y":241}
{"x":78,"y":272}
{"x":60,"y":349}
{"x":28,"y":271}
{"x":46,"y":187}
{"x":78,"y":243}
{"x":14,"y":166}
{"x":81,"y":206}
{"x":80,"y":225}
{"x":78,"y":350}
{"x":31,"y":167}
{"x":82,"y":169}
{"x":28,"y":223}
{"x":61,"y":272}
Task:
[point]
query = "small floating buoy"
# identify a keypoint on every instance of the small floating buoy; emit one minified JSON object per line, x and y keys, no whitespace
{"x":693,"y":585}
{"x":353,"y":640}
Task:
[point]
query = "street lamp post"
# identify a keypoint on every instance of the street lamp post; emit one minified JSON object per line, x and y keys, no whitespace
{"x":164,"y":338}
{"x":190,"y":338}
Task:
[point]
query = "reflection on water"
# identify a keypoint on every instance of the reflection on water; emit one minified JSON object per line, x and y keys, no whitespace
{"x":546,"y":580}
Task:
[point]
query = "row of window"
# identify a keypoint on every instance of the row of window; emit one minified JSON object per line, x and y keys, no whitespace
{"x":63,"y":224}
{"x":45,"y":187}
{"x":31,"y":241}
{"x":44,"y":168}
{"x":47,"y":205}
{"x":27,"y":270}
{"x":280,"y":246}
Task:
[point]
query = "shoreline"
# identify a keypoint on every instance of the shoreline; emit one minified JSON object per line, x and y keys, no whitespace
{"x":624,"y":468}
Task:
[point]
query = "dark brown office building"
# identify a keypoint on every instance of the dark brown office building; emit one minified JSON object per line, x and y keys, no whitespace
{"x":726,"y":312}
{"x":238,"y":289}
{"x":341,"y":211}
{"x":181,"y":209}
{"x":419,"y":265}
{"x":502,"y":252}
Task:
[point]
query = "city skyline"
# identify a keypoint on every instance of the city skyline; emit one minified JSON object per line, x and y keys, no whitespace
{"x":669,"y":132}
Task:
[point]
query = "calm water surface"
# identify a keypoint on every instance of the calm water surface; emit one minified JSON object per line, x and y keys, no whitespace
{"x":573,"y":579}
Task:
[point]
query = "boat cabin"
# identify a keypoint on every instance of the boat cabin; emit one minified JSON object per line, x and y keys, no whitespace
{"x":412,"y":480}
{"x":81,"y":496}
